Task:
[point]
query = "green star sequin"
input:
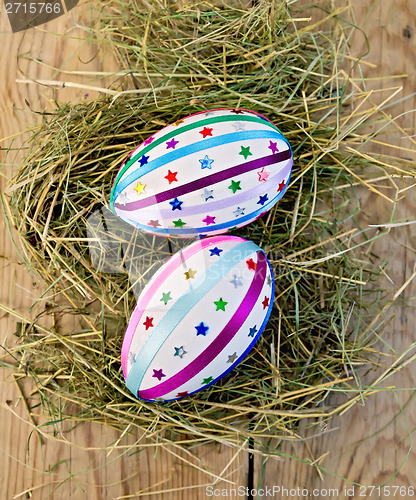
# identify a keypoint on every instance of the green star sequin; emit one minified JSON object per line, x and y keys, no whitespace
{"x":245,"y":152}
{"x":207,"y":380}
{"x":166,"y":297}
{"x":235,"y":186}
{"x":179,"y":223}
{"x":220,"y":304}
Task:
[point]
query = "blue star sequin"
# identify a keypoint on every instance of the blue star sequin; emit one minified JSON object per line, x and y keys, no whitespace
{"x":143,"y":160}
{"x":236,"y":281}
{"x":206,"y":162}
{"x":202,"y":329}
{"x":263,"y":199}
{"x":215,"y":251}
{"x":176,"y":204}
{"x":252,"y":331}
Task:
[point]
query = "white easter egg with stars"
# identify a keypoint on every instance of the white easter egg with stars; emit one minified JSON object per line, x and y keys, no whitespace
{"x":204,"y":175}
{"x":197,"y":318}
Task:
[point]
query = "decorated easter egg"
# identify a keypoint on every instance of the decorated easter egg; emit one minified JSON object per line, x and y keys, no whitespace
{"x":197,"y":318}
{"x":204,"y":175}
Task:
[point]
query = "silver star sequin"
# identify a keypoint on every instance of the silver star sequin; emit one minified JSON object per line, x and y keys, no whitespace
{"x":239,"y":212}
{"x":232,"y":358}
{"x":207,"y":194}
{"x":123,"y":198}
{"x":180,"y":351}
{"x":239,"y":126}
{"x":236,"y":281}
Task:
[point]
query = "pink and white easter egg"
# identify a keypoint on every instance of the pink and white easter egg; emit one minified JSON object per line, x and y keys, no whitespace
{"x":204,"y":175}
{"x":197,"y":318}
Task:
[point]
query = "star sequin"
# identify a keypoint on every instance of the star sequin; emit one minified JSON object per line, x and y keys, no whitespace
{"x":251,"y":264}
{"x":148,"y":323}
{"x":132,"y":357}
{"x":207,"y":380}
{"x":269,"y":280}
{"x":232,"y":358}
{"x":265,"y":302}
{"x":281,"y":186}
{"x":262,"y":199}
{"x":176,"y":204}
{"x":140,"y":188}
{"x":180,"y":351}
{"x":171,"y":144}
{"x":144,"y":160}
{"x":189,"y":274}
{"x":148,"y":141}
{"x":245,"y":151}
{"x":158,"y":374}
{"x":206,"y":131}
{"x":182,"y":394}
{"x":215,"y":251}
{"x":209,"y":220}
{"x":154,"y":223}
{"x":236,"y":281}
{"x":253,"y":331}
{"x":220,"y":304}
{"x":237,"y":111}
{"x":263,"y":175}
{"x":239,"y":211}
{"x":201,"y":329}
{"x":206,"y":162}
{"x":179,"y":223}
{"x":178,"y":122}
{"x":207,"y":194}
{"x":239,"y":126}
{"x":235,"y":186}
{"x":171,"y":177}
{"x":166,"y":297}
{"x":123,"y":198}
{"x":273,"y":147}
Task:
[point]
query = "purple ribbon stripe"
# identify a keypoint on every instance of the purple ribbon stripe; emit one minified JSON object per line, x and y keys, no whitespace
{"x":220,"y":342}
{"x":203,"y":182}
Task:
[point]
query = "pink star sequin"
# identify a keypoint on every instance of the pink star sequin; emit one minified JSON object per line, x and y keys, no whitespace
{"x":158,"y":374}
{"x":263,"y":175}
{"x":209,"y":220}
{"x":154,"y":223}
{"x":148,"y":141}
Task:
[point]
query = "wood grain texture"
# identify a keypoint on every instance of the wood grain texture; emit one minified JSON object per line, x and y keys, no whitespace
{"x":366,"y":445}
{"x":80,"y":458}
{"x":371,"y":444}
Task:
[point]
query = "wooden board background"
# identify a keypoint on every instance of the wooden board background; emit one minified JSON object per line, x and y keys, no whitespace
{"x":370,"y":444}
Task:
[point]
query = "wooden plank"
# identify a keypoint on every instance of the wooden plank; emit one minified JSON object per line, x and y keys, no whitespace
{"x":371,"y":444}
{"x":368,"y":444}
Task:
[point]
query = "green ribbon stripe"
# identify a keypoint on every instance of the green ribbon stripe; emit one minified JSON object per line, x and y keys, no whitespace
{"x":175,"y":133}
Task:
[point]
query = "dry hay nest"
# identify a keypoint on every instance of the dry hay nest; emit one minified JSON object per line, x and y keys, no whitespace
{"x":323,"y":324}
